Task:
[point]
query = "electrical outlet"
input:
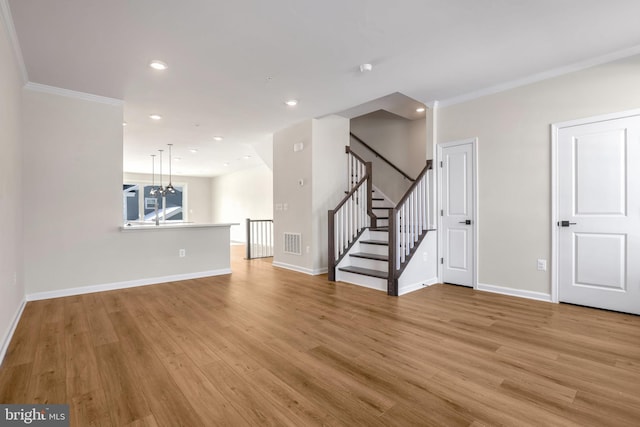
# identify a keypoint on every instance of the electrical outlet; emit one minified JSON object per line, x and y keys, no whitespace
{"x":424,"y":256}
{"x":15,"y":279}
{"x":542,"y":265}
{"x":182,"y":253}
{"x":308,"y":249}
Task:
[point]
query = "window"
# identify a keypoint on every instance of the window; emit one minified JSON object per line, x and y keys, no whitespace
{"x":171,"y":207}
{"x":131,"y":202}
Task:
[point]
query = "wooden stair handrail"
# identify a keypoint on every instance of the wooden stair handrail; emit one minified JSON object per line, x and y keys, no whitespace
{"x":416,"y":182}
{"x":333,"y":260}
{"x":351,"y":193}
{"x":381,"y":157}
{"x":348,"y":150}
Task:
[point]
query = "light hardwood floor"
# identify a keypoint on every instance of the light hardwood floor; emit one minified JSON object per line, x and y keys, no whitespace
{"x":266,"y":346}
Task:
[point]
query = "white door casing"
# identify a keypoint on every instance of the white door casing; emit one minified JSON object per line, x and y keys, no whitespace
{"x":597,"y":213}
{"x":458,"y":225}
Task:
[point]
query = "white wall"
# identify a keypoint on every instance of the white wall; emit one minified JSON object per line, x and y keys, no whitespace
{"x":330,"y":135}
{"x":264,"y":149}
{"x":73,"y":204}
{"x":11,"y":277}
{"x":514,"y":152}
{"x":321,"y":165}
{"x":403,"y":142}
{"x":241,"y":195}
{"x":197,"y":194}
{"x":288,"y":168}
{"x":423,"y":268}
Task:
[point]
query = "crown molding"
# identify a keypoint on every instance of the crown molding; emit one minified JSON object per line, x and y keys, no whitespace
{"x":7,"y":20}
{"x":556,"y":72}
{"x":432,"y":105}
{"x":37,"y":87}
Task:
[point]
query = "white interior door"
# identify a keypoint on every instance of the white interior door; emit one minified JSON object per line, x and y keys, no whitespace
{"x":598,"y":170}
{"x":457,"y":212}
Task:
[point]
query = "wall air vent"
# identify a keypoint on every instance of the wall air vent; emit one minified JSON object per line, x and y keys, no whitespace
{"x":293,"y":243}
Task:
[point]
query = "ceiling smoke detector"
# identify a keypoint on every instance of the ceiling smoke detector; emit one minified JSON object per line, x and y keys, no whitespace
{"x":365,"y":67}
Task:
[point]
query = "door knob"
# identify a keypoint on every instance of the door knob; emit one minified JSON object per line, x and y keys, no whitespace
{"x":468,"y":222}
{"x":566,"y":223}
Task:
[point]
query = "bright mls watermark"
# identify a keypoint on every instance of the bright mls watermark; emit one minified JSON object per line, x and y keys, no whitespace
{"x":34,"y":415}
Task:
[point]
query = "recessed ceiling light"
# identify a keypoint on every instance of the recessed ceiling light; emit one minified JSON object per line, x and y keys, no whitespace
{"x":246,"y":157}
{"x":124,"y":123}
{"x":365,"y":67}
{"x":420,"y":109}
{"x":155,"y":117}
{"x":177,"y":159}
{"x":218,"y":138}
{"x":226,"y":164}
{"x":158,"y":65}
{"x":193,"y":150}
{"x":292,"y":102}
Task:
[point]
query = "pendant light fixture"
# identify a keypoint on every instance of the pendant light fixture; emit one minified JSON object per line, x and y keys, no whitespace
{"x":153,"y":190}
{"x":170,"y":189}
{"x":161,"y":188}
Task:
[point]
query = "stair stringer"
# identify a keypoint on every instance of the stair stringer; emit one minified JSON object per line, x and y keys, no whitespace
{"x":420,"y":273}
{"x":358,"y":279}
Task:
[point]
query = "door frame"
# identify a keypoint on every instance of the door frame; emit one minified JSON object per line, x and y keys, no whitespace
{"x":474,"y":177}
{"x":555,"y":202}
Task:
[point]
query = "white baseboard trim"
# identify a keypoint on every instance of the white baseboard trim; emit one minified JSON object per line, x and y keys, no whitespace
{"x":299,"y":269}
{"x":367,"y":285}
{"x":6,"y":340}
{"x":539,"y":296}
{"x":415,"y":286}
{"x":123,"y":285}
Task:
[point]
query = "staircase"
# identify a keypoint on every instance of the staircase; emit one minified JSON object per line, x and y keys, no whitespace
{"x":371,"y":241}
{"x":367,"y":263}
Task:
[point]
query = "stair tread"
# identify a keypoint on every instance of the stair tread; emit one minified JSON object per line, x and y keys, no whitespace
{"x":365,"y":271}
{"x":379,"y":229}
{"x":375,"y":242}
{"x":377,"y":257}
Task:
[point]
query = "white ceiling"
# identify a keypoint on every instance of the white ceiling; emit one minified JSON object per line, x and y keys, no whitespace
{"x":232,"y":64}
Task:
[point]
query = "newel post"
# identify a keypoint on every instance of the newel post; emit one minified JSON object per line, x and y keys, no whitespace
{"x":248,"y":247}
{"x":331,"y":252}
{"x":369,"y":172}
{"x":392,"y":282}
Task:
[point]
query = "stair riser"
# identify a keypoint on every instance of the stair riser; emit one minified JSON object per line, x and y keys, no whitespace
{"x":371,"y":264}
{"x":379,"y":235}
{"x":380,"y":211}
{"x":374,"y":249}
{"x":358,"y":279}
{"x":382,"y":222}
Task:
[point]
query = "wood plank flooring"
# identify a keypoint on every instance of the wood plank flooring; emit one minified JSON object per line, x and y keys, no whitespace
{"x":266,"y":346}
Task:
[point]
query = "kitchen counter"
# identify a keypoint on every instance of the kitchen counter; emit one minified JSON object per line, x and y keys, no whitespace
{"x":138,"y":226}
